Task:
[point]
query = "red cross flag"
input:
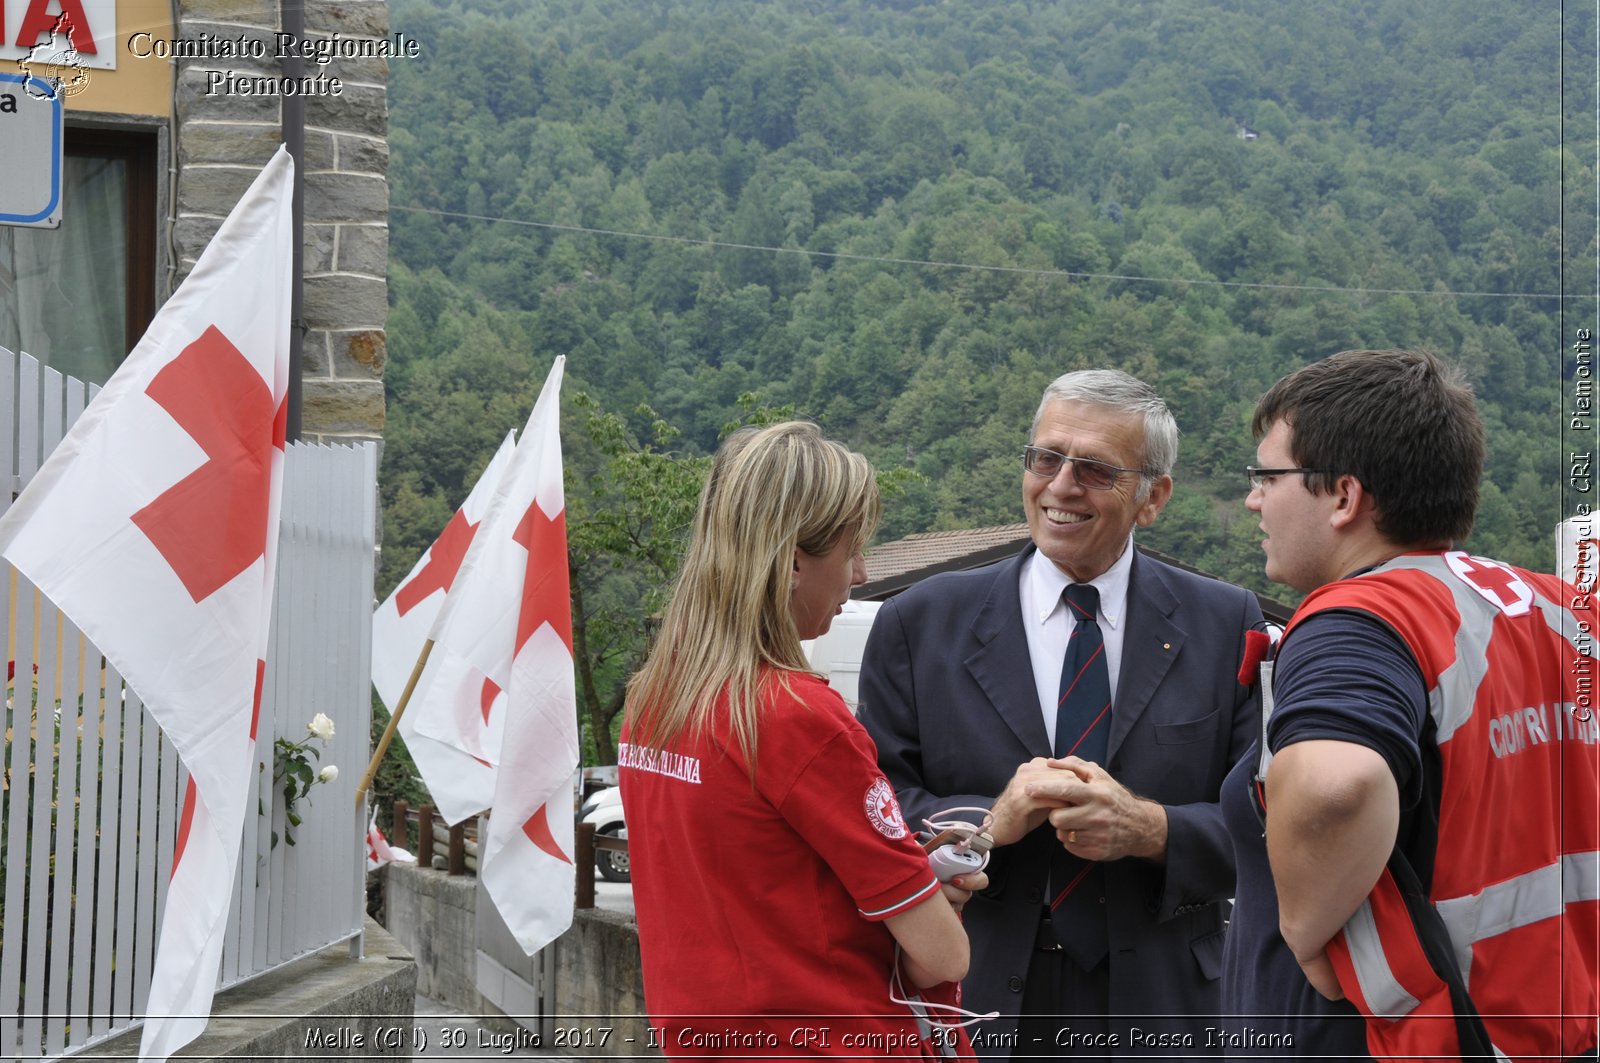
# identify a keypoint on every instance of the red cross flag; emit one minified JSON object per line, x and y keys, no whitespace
{"x":379,"y":851}
{"x":461,"y":785}
{"x":154,"y":526}
{"x":509,"y":618}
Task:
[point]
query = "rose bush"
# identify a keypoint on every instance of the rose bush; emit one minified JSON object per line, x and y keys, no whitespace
{"x":291,"y":770}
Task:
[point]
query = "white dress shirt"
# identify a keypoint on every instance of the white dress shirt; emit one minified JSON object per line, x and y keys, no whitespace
{"x":1045,"y":619}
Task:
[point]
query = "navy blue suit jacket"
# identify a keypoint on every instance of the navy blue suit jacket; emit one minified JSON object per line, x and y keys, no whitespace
{"x":948,"y":695}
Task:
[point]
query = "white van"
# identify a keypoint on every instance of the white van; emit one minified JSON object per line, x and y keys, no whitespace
{"x":837,"y":654}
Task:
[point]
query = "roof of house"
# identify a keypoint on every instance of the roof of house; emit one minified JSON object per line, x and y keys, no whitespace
{"x":894,"y":566}
{"x":925,"y":549}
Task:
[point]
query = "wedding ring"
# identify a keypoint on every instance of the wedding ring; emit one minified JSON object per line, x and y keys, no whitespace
{"x":1072,"y":837}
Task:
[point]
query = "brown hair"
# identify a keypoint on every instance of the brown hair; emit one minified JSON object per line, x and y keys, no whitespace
{"x":1402,"y":422}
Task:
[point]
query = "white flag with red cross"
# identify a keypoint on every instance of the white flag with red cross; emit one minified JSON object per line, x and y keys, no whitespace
{"x":461,"y":785}
{"x":509,"y":617}
{"x":154,"y":527}
{"x":378,"y":851}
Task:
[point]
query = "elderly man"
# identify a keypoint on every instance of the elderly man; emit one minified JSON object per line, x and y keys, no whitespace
{"x":1103,"y":926}
{"x":1418,"y":847}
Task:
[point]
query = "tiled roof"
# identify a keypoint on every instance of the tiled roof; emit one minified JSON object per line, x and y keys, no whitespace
{"x":892,"y":567}
{"x":932,"y":548}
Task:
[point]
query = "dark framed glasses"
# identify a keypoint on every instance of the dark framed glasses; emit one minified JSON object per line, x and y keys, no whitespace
{"x":1260,"y":478}
{"x":1095,"y":475}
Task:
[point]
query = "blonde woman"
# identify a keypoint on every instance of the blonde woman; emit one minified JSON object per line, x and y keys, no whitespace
{"x":773,"y":874}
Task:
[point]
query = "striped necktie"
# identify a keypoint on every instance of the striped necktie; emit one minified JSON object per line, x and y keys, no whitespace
{"x":1083,"y":705}
{"x":1083,"y":721}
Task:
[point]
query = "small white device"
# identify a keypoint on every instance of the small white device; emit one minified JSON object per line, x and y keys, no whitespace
{"x":948,"y":861}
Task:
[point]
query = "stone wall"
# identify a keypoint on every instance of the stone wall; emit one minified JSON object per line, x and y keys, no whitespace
{"x":225,"y":132}
{"x":597,"y":996}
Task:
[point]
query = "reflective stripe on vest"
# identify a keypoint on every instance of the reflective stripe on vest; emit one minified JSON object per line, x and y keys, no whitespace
{"x":1451,"y":700}
{"x":1540,"y":894}
{"x":1384,"y":994}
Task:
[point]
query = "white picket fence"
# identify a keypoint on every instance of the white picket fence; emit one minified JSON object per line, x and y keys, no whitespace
{"x":93,"y":791}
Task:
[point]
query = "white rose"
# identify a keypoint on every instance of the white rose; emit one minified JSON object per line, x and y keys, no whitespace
{"x":329,"y":773}
{"x":320,"y":727}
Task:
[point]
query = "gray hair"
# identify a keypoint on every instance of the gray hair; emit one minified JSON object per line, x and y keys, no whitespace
{"x":1113,"y":389}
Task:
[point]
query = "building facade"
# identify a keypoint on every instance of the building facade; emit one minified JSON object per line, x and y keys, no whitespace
{"x":170,"y":111}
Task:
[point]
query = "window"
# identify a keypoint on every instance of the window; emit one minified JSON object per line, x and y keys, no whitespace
{"x":79,"y":297}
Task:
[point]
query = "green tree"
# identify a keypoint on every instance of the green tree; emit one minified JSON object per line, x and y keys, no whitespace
{"x":628,"y":517}
{"x":1408,"y":151}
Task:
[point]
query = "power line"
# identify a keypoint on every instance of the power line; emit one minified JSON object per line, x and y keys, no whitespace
{"x":974,"y":267}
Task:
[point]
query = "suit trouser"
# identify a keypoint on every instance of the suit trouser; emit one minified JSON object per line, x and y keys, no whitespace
{"x":1064,"y":1007}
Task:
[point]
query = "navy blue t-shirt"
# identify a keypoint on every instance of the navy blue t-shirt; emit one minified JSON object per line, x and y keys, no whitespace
{"x":1349,"y":677}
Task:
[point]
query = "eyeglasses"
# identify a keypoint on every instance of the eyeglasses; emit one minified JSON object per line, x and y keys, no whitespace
{"x":1260,"y":478}
{"x":1095,"y":475}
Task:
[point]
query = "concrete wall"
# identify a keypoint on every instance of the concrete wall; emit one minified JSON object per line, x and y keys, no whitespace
{"x":433,"y":915}
{"x":328,"y":1005}
{"x":597,"y":999}
{"x":598,"y":971}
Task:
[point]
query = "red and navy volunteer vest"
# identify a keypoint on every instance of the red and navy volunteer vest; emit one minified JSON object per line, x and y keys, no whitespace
{"x":1510,"y":662}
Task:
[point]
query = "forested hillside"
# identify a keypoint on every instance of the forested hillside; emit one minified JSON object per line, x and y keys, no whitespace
{"x":904,"y":218}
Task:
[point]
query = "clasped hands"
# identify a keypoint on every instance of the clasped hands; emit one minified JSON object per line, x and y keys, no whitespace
{"x":1095,"y":817}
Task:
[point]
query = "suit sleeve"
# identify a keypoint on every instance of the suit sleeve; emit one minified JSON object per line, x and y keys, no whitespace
{"x":888,"y":711}
{"x":1199,"y":866}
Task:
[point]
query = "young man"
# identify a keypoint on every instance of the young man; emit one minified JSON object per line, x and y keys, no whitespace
{"x":1425,"y":727}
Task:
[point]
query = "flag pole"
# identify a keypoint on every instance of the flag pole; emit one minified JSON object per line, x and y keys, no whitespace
{"x":394,"y":721}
